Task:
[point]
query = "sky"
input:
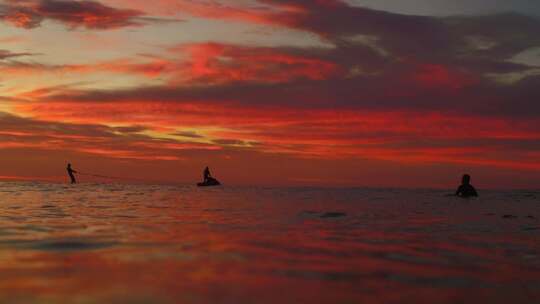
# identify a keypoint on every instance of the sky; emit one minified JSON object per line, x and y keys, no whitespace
{"x":377,"y":93}
{"x":452,"y":8}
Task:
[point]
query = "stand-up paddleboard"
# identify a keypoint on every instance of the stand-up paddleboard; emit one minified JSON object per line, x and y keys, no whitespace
{"x":209,"y":183}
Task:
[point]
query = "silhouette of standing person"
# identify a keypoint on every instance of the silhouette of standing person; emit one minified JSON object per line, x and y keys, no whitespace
{"x":70,"y":173}
{"x":206,"y":174}
{"x":466,"y":189}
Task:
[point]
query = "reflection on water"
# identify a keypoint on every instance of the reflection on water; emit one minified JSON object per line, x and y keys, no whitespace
{"x":176,"y":244}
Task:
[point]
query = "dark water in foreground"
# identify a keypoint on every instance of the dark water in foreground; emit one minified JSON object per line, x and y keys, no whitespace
{"x":163,"y":244}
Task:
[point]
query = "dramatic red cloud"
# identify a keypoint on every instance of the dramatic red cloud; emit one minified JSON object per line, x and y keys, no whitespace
{"x":440,"y":76}
{"x":21,"y":18}
{"x":120,"y":143}
{"x":207,"y":63}
{"x":148,"y":68}
{"x":271,"y":13}
{"x":88,"y":14}
{"x":219,"y":63}
{"x":407,"y":137}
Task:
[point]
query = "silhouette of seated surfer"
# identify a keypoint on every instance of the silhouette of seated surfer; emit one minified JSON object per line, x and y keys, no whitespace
{"x":206,"y":174}
{"x":466,"y":189}
{"x":70,"y":173}
{"x":208,"y":180}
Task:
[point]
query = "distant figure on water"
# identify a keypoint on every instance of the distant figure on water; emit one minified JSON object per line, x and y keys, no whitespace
{"x":466,"y":189}
{"x":208,"y":180}
{"x":70,"y":173}
{"x":206,"y":174}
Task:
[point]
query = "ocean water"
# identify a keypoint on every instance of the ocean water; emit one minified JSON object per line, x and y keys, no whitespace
{"x":108,"y":243}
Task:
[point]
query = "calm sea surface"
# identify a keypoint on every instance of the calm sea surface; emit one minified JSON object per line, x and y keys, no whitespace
{"x":95,"y":243}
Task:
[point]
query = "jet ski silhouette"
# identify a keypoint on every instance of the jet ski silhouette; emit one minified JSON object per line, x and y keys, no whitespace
{"x":209,"y":182}
{"x":208,"y":179}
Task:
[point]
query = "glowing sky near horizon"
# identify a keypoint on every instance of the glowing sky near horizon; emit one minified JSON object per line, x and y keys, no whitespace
{"x":357,"y":92}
